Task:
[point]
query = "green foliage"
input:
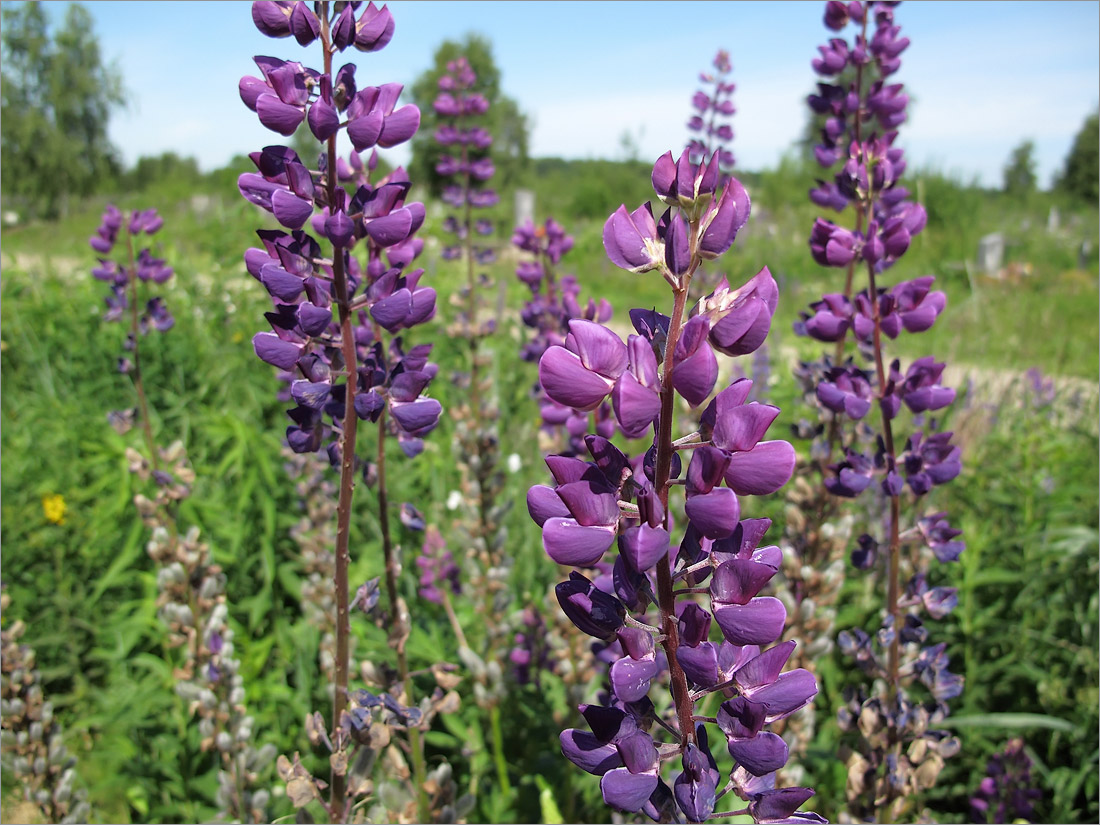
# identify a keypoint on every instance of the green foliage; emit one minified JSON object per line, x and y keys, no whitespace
{"x":505,"y":121}
{"x":57,"y":97}
{"x":1019,"y":173}
{"x":1024,"y":634}
{"x":1081,"y":175}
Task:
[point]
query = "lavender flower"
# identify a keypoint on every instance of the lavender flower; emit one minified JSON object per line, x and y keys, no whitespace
{"x":335,"y":322}
{"x":714,"y":136}
{"x":460,"y":109}
{"x":882,"y":779}
{"x":554,"y":302}
{"x":1008,"y":792}
{"x":615,"y":500}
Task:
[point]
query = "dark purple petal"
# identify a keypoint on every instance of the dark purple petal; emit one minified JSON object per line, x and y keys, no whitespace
{"x":714,"y":514}
{"x":759,"y":622}
{"x":564,"y":379}
{"x":791,"y":691}
{"x":765,"y":669}
{"x":627,"y":791}
{"x":400,"y":126}
{"x":363,"y":131}
{"x":278,"y":116}
{"x":589,"y":505}
{"x":677,"y":249}
{"x":374,"y":29}
{"x":290,"y":210}
{"x":741,"y":719}
{"x":700,"y":663}
{"x":416,"y":417}
{"x":778,"y":805}
{"x":588,"y":753}
{"x":390,"y":313}
{"x":310,"y":394}
{"x":739,"y":429}
{"x":739,"y":580}
{"x":636,"y":406}
{"x":271,"y":18}
{"x":694,"y":377}
{"x":369,"y":405}
{"x":760,"y":755}
{"x":630,"y":678}
{"x":723,"y":221}
{"x":570,"y":543}
{"x":629,"y":239}
{"x":600,"y":349}
{"x":591,"y":610}
{"x":275,"y":351}
{"x":643,"y":546}
{"x":762,"y":470}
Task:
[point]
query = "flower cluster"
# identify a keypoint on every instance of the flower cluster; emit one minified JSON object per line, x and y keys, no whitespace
{"x":554,"y":303}
{"x":460,"y":109}
{"x":191,"y":600}
{"x":305,"y":283}
{"x":191,"y":604}
{"x":1008,"y":792}
{"x":32,"y":737}
{"x":898,"y":755}
{"x":615,"y":500}
{"x":713,"y":137}
{"x":337,"y":334}
{"x":125,"y":273}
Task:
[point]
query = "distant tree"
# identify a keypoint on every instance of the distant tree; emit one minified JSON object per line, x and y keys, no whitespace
{"x":1019,"y":172}
{"x":57,"y":97}
{"x":1081,"y":175}
{"x":167,"y":165}
{"x":504,"y":120}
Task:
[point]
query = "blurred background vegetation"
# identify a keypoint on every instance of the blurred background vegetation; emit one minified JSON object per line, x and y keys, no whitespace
{"x":1025,"y":633}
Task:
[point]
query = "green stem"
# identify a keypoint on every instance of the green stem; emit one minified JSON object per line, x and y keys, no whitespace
{"x":498,"y":751}
{"x":416,"y":748}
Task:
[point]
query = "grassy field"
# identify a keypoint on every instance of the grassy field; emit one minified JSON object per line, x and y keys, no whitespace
{"x":1025,"y":634}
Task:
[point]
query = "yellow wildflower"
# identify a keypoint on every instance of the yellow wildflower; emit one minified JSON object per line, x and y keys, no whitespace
{"x":54,"y":507}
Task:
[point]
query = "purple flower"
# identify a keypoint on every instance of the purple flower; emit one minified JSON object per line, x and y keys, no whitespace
{"x":618,"y":503}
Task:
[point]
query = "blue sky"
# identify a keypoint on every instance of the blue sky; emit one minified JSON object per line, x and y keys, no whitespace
{"x":983,"y":76}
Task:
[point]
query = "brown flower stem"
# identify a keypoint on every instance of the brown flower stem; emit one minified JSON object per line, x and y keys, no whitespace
{"x":685,"y":708}
{"x":338,"y":794}
{"x":398,"y":623}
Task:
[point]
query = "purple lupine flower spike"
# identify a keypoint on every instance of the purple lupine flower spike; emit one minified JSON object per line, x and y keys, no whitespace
{"x":341,"y":274}
{"x":858,"y":118}
{"x":712,"y":135}
{"x":718,"y":637}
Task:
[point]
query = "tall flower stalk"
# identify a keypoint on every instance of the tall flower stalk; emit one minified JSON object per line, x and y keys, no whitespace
{"x":191,"y":588}
{"x":899,"y":753}
{"x":335,"y":323}
{"x":615,"y":499}
{"x":482,"y":506}
{"x":554,"y":302}
{"x":34,"y":750}
{"x":712,"y":106}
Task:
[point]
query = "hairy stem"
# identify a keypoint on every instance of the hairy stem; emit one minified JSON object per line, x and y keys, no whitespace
{"x":338,"y":795}
{"x":666,"y":599}
{"x":398,"y":622}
